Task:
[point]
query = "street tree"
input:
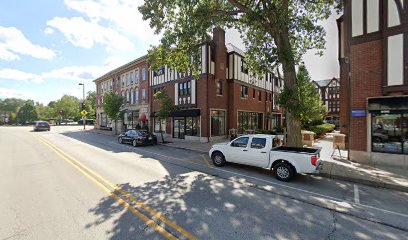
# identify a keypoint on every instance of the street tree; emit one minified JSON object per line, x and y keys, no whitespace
{"x":68,"y":107}
{"x":166,"y":107}
{"x":27,"y":113}
{"x":310,"y":108}
{"x":276,"y":34}
{"x":91,"y":104}
{"x":112,"y":105}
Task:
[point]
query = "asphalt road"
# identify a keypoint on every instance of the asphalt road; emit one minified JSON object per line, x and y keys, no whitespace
{"x":75,"y":184}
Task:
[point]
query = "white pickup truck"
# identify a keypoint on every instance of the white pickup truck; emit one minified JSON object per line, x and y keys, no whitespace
{"x":259,"y":150}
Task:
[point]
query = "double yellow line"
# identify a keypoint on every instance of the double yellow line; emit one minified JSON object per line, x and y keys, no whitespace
{"x":105,"y":185}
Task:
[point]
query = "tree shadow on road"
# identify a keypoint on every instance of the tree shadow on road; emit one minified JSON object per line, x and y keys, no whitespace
{"x":213,"y":208}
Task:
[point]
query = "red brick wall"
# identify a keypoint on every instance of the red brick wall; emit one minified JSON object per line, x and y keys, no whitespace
{"x":366,"y":67}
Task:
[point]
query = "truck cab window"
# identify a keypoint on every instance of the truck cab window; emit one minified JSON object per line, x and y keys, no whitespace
{"x":258,"y":143}
{"x":240,"y":142}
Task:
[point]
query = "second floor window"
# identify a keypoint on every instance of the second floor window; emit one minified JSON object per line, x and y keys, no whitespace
{"x":259,"y":96}
{"x":137,"y":96}
{"x":127,"y":80}
{"x":244,"y":91}
{"x":131,"y":77}
{"x":185,"y":88}
{"x":143,"y":95}
{"x":219,"y":88}
{"x":244,"y":67}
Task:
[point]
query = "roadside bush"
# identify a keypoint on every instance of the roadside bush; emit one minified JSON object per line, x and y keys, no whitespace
{"x":322,"y":129}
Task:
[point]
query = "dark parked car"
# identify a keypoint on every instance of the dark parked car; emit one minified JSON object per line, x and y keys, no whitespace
{"x":87,"y":122}
{"x":137,"y":138}
{"x":41,"y":126}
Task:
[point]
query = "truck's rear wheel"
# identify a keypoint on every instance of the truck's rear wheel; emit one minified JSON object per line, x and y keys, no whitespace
{"x":218,"y":159}
{"x":283,"y":171}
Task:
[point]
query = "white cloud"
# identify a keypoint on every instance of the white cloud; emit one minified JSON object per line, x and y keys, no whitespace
{"x":77,"y":73}
{"x":14,"y":74}
{"x":13,"y":42}
{"x":49,"y":31}
{"x":86,"y":34}
{"x":15,"y":93}
{"x":121,"y":14}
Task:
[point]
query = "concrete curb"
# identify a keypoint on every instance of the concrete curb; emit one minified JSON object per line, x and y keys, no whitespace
{"x":371,"y":183}
{"x":195,"y":150}
{"x":366,"y":182}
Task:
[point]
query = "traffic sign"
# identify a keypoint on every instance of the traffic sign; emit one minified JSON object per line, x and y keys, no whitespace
{"x":84,"y":112}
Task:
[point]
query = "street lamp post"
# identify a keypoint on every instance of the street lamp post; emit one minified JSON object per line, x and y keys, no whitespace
{"x":83,"y":100}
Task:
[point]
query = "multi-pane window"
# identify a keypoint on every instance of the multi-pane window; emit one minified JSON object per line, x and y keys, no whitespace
{"x":244,"y":91}
{"x":244,"y":67}
{"x":253,"y":93}
{"x":123,"y":80}
{"x":143,"y":73}
{"x":131,"y":77}
{"x":185,"y":88}
{"x":143,"y":95}
{"x":259,"y":96}
{"x":131,"y":96}
{"x":137,"y":75}
{"x":219,"y":88}
{"x":218,"y":123}
{"x":137,"y":96}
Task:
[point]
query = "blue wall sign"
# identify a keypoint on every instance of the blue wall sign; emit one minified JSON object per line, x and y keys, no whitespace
{"x":358,"y":113}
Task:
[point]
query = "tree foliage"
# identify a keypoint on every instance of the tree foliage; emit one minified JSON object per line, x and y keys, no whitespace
{"x":112,"y":105}
{"x":310,"y":108}
{"x":27,"y":113}
{"x":275,"y":33}
{"x":166,"y":107}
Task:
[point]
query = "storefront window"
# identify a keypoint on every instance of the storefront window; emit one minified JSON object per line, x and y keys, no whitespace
{"x":157,"y":123}
{"x":192,"y":126}
{"x":217,"y":123}
{"x":249,"y":120}
{"x":389,"y":133}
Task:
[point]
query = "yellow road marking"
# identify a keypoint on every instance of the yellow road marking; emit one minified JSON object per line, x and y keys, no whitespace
{"x":158,"y":215}
{"x":206,"y":161}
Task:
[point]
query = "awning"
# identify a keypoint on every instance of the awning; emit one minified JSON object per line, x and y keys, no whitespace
{"x":388,"y":104}
{"x":186,"y":113}
{"x":142,"y":117}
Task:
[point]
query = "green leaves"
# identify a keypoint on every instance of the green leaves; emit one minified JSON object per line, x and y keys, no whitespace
{"x":166,"y":105}
{"x":112,"y":105}
{"x":27,"y":113}
{"x":310,"y":107}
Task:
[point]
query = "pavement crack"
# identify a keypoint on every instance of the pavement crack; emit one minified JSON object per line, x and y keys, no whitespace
{"x":334,"y":225}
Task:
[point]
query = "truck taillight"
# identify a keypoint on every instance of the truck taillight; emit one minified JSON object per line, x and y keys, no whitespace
{"x":313,"y":160}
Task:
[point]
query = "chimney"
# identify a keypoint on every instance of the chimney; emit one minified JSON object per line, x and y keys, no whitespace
{"x":220,"y":53}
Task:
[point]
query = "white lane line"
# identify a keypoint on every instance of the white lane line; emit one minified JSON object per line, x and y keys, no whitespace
{"x":356,"y":194}
{"x":333,"y":199}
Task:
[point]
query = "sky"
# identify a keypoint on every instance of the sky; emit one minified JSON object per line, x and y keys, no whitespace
{"x":48,"y":47}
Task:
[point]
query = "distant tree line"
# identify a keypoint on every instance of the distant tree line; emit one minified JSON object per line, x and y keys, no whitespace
{"x":20,"y":111}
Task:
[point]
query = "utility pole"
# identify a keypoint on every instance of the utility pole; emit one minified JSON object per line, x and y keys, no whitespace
{"x":83,"y":101}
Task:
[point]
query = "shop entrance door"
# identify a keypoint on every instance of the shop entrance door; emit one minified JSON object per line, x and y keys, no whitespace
{"x":179,"y":128}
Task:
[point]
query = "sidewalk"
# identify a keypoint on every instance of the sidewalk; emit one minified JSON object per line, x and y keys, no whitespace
{"x":336,"y":167}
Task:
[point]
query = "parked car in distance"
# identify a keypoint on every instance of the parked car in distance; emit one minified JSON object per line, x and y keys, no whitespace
{"x":137,"y":138}
{"x":42,"y":126}
{"x":87,"y":122}
{"x":258,"y":150}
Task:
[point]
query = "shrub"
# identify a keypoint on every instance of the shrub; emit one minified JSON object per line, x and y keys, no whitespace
{"x":322,"y":129}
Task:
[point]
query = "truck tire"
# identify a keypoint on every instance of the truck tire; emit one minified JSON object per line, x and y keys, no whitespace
{"x":283,"y":171}
{"x":134,"y":143}
{"x":218,"y":159}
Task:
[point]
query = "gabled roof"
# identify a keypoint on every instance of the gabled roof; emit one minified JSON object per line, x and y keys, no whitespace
{"x":232,"y":48}
{"x":137,"y":60}
{"x":324,"y":82}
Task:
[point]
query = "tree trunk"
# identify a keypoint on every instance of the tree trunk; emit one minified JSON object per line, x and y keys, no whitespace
{"x":294,"y":136}
{"x":161,"y":132}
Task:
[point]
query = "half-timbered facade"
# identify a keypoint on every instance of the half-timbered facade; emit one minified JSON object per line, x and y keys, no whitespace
{"x":373,"y":56}
{"x":224,"y":97}
{"x":329,"y":91}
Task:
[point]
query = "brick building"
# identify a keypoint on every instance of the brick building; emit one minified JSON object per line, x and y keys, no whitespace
{"x":329,"y":91}
{"x":224,"y":97}
{"x":132,"y":82}
{"x":373,"y":56}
